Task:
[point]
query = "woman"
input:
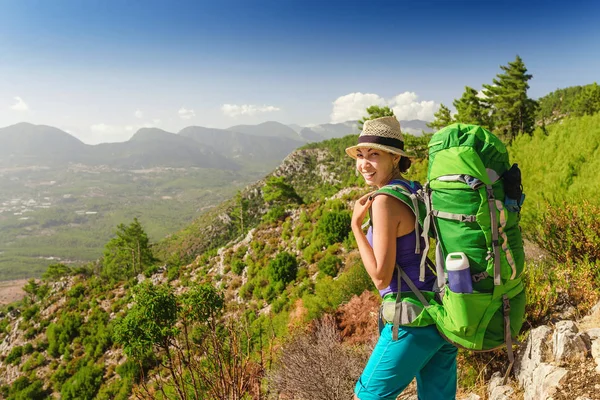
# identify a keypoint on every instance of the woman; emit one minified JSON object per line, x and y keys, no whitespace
{"x":419,"y":351}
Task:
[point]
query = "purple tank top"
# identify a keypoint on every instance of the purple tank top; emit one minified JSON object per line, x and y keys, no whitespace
{"x":409,"y":262}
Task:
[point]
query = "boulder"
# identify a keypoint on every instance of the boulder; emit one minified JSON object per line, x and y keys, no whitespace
{"x":498,"y":391}
{"x":545,"y":382}
{"x":568,"y":344}
{"x":596,"y":353}
{"x":593,"y":333}
{"x":536,"y":351}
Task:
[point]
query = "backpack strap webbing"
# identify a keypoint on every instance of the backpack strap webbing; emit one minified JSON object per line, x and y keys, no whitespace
{"x":495,"y":243}
{"x":404,"y":192}
{"x":398,"y":306}
{"x":507,"y":336}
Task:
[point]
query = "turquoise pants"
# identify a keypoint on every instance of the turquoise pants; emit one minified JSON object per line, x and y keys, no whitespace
{"x":418,"y":352}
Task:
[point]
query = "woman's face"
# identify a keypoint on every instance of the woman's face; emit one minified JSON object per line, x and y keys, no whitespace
{"x":376,"y":166}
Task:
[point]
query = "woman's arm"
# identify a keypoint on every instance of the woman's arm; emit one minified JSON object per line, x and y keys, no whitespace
{"x":380,"y":260}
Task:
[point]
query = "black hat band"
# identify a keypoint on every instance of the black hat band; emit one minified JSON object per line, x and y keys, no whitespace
{"x":386,"y":141}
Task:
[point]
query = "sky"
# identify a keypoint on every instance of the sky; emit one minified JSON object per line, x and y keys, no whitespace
{"x":101,"y":70}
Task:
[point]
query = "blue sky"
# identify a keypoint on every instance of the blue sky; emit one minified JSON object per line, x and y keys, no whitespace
{"x":102,"y":69}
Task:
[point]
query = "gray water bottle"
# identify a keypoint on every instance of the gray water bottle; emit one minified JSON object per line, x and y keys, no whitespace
{"x":459,"y":274}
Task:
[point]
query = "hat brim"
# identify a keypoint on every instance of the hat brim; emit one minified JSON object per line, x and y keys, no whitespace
{"x":351,"y":151}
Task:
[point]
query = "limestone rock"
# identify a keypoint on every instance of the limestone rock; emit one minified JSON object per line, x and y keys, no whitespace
{"x":596,"y":353}
{"x":593,"y":333}
{"x":471,"y":396}
{"x":568,"y":344}
{"x":498,"y":391}
{"x":537,"y":350}
{"x":545,"y":382}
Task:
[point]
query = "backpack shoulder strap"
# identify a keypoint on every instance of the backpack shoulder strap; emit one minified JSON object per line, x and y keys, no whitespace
{"x":406,"y":192}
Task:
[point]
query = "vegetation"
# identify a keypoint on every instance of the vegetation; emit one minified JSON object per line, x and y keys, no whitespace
{"x":243,"y":293}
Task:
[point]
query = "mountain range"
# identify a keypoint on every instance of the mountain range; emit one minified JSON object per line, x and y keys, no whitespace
{"x":26,"y":144}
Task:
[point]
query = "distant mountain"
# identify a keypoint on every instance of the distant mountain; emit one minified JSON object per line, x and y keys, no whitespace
{"x":242,"y":146}
{"x":269,"y":128}
{"x":195,"y":146}
{"x":153,"y":147}
{"x":415,"y":127}
{"x":25,"y":143}
{"x":320,"y":132}
{"x":297,"y":128}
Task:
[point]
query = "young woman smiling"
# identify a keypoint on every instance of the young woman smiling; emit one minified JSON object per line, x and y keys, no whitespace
{"x":419,"y":351}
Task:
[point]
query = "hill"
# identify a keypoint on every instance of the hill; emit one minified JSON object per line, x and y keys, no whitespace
{"x":281,"y":266}
{"x":243,"y":147}
{"x":269,"y":128}
{"x":27,"y":144}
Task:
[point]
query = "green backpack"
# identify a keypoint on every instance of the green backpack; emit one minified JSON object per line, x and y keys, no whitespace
{"x":471,"y":204}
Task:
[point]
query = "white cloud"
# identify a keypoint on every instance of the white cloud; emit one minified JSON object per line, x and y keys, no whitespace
{"x":234,"y":110}
{"x":352,"y":107}
{"x":184,"y":113}
{"x":20,"y":105}
{"x":139,"y":114}
{"x":406,"y":107}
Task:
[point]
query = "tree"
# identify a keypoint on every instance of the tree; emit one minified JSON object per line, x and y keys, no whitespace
{"x":56,"y":271}
{"x":276,"y":191}
{"x":588,"y":100}
{"x":512,"y":110}
{"x":442,"y":118}
{"x":471,"y":109}
{"x":283,"y":268}
{"x":202,"y":355}
{"x":375,"y":112}
{"x":127,"y":254}
{"x":240,"y":212}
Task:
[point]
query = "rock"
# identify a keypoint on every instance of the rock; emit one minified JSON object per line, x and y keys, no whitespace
{"x":546,"y":380}
{"x":471,"y":396}
{"x":537,"y":350}
{"x":596,"y":353}
{"x":593,"y":333}
{"x":568,"y":344}
{"x":498,"y":391}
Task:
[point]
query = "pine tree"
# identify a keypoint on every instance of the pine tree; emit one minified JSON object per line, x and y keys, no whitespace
{"x":375,"y":112}
{"x":442,"y":119}
{"x":588,"y":100}
{"x":128,"y":253}
{"x":471,"y":109}
{"x":513,"y":111}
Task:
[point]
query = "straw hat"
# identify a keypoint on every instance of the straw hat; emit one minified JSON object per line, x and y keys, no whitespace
{"x":380,"y":133}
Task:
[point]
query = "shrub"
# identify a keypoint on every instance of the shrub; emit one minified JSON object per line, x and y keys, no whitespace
{"x":30,"y":312}
{"x":283,"y":268}
{"x":84,"y":384}
{"x":320,"y":355}
{"x":237,"y":266}
{"x":334,"y":226}
{"x":570,"y":232}
{"x":276,"y":213}
{"x":330,"y":265}
{"x":76,"y":291}
{"x":14,"y":357}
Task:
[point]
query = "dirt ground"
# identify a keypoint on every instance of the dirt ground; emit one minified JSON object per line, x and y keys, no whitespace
{"x":11,"y":291}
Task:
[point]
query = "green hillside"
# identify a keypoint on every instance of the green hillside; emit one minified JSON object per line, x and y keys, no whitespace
{"x":236,"y":290}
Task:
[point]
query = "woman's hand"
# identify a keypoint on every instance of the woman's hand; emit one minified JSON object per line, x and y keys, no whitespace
{"x":361,"y":207}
